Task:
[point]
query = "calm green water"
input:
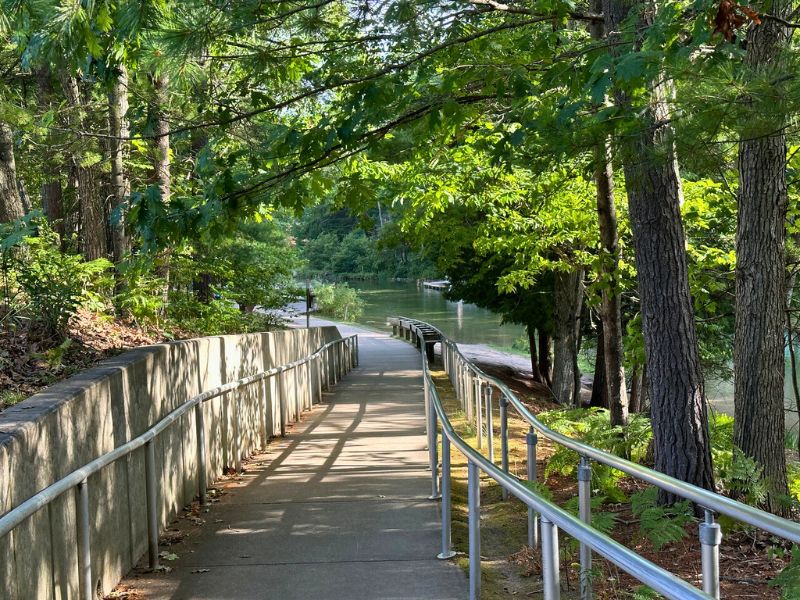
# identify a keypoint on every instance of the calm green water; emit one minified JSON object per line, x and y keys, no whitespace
{"x":469,"y":324}
{"x":465,"y":323}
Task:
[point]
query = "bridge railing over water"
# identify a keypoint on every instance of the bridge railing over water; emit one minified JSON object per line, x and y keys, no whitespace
{"x":475,"y":391}
{"x":329,"y":364}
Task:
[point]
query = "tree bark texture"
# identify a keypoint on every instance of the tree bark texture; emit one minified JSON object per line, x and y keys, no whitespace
{"x":678,"y":412}
{"x":93,"y":230}
{"x":599,"y":398}
{"x":161,"y":160}
{"x":11,"y":207}
{"x":545,"y":364}
{"x":761,"y":277}
{"x":120,"y":184}
{"x":611,"y":300}
{"x":568,"y":294}
{"x":537,"y":376}
{"x":51,"y":191}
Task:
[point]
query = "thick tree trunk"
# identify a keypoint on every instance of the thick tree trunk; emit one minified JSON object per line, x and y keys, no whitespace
{"x":90,"y":203}
{"x":761,"y":277}
{"x":680,"y":421}
{"x":545,"y":364}
{"x":678,"y":411}
{"x":11,"y":207}
{"x":568,"y":293}
{"x":120,"y":184}
{"x":537,"y":376}
{"x":611,"y":302}
{"x":599,"y":397}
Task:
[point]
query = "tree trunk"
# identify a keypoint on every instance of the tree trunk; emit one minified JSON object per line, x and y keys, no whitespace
{"x":545,"y":364}
{"x":51,"y":191}
{"x":161,"y":160}
{"x":537,"y":376}
{"x":568,"y":294}
{"x":11,"y":207}
{"x":599,"y":397}
{"x":120,"y":185}
{"x":761,"y":276}
{"x":90,"y":204}
{"x":611,"y":301}
{"x":635,"y":405}
{"x":161,"y":167}
{"x":678,"y":411}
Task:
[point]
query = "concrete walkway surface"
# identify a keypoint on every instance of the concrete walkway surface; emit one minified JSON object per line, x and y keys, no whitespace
{"x":336,"y":511}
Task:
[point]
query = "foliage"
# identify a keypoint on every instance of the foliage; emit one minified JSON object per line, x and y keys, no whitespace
{"x":661,"y":525}
{"x":339,"y":301}
{"x":737,"y":474}
{"x":56,"y":284}
{"x":789,"y":578}
{"x":593,"y":426}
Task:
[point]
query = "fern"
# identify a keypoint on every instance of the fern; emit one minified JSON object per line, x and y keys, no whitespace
{"x":538,"y":488}
{"x":602,"y":521}
{"x":645,"y":593}
{"x":789,"y":579}
{"x":661,"y":525}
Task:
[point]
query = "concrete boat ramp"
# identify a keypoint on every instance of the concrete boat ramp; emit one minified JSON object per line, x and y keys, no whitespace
{"x":338,"y":509}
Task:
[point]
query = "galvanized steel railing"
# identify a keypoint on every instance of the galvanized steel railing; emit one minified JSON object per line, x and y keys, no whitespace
{"x":330,"y":363}
{"x":474,"y":389}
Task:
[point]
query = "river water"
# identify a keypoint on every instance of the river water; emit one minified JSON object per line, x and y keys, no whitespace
{"x":468,"y":324}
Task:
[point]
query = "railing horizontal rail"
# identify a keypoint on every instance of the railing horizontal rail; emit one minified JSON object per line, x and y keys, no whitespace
{"x":344,"y":357}
{"x":639,"y":567}
{"x":750,"y":515}
{"x":471,"y":383}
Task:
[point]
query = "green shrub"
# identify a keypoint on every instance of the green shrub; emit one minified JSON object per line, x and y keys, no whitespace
{"x":661,"y":525}
{"x":55,"y":283}
{"x":789,"y":579}
{"x":339,"y":300}
{"x":593,"y":426}
{"x":142,"y":296}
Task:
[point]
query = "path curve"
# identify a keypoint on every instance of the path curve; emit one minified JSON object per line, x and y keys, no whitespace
{"x":337,"y":510}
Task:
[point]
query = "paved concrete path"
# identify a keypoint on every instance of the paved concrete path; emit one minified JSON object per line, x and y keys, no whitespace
{"x":337,"y":511}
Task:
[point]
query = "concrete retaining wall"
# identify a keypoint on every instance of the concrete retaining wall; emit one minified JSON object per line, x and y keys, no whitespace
{"x":59,"y":430}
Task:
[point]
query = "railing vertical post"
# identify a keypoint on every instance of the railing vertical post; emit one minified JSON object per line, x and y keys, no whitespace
{"x":358,"y":352}
{"x":550,"y":574}
{"x":474,"y":514}
{"x":468,"y":386}
{"x":296,"y":395}
{"x":447,"y":551}
{"x":433,"y":440}
{"x":489,"y":422}
{"x":237,"y":433}
{"x":585,"y":514}
{"x":202,"y":470}
{"x":151,"y":491}
{"x":318,"y":365}
{"x":282,"y":401}
{"x":504,"y":438}
{"x":710,"y":539}
{"x":533,"y":530}
{"x":309,"y":383}
{"x":84,"y":542}
{"x":479,"y":411}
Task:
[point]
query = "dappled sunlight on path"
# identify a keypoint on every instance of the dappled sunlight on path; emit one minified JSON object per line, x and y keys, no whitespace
{"x":339,"y":509}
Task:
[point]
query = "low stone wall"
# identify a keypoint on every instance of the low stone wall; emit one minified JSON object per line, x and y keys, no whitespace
{"x":63,"y":428}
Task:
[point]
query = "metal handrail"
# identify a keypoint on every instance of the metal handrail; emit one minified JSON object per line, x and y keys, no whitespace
{"x":553,"y":516}
{"x":710,"y":533}
{"x":331,"y":364}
